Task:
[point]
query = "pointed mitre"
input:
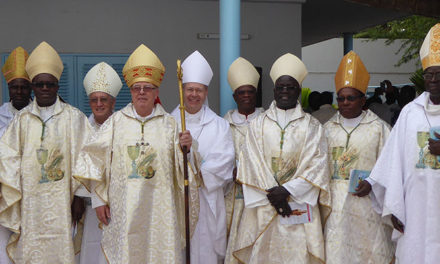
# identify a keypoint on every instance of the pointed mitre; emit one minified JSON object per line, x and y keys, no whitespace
{"x":242,"y":72}
{"x":195,"y":68}
{"x":352,"y":73}
{"x":143,"y":66}
{"x":44,"y":59}
{"x":430,"y":50}
{"x":102,"y":78}
{"x":290,"y":65}
{"x":14,"y":67}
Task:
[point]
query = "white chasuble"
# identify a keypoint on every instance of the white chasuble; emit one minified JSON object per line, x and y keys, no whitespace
{"x":216,"y":148}
{"x":38,"y":151}
{"x":354,"y":232}
{"x":7,"y":112}
{"x":138,"y":169}
{"x":88,"y":247}
{"x":406,"y":181}
{"x":234,"y":193}
{"x":293,"y":156}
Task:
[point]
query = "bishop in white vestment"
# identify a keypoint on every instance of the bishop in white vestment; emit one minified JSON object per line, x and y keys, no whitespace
{"x":216,"y":148}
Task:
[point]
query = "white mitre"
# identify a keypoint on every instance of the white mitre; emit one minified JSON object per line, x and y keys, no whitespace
{"x":195,"y":68}
{"x":102,"y":78}
{"x":290,"y":65}
{"x":242,"y":72}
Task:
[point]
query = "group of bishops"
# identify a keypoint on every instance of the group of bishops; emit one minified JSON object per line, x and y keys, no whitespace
{"x":265,"y":186}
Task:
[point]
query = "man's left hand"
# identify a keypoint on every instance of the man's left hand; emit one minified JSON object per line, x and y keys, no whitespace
{"x":363,"y":189}
{"x":277,"y":195}
{"x":78,"y":207}
{"x":185,"y":140}
{"x":434,"y":145}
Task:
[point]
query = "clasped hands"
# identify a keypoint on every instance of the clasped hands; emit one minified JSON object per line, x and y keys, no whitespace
{"x":278,"y":199}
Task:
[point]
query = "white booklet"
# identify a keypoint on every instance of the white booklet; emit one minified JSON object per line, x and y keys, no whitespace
{"x":301,"y":214}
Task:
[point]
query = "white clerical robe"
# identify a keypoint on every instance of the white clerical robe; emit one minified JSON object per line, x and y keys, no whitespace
{"x":90,"y":251}
{"x":282,"y":148}
{"x":216,"y":149}
{"x":138,"y":169}
{"x":354,"y":232}
{"x":406,"y":183}
{"x":234,"y":192}
{"x":7,"y":112}
{"x":38,"y":151}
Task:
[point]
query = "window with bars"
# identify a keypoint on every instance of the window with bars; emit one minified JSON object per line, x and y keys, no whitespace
{"x":76,"y":67}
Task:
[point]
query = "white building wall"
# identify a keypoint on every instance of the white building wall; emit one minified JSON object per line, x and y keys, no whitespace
{"x":322,"y":60}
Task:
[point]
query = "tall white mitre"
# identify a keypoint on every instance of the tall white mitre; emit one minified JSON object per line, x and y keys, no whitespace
{"x":102,"y":78}
{"x":290,"y":65}
{"x":195,"y":68}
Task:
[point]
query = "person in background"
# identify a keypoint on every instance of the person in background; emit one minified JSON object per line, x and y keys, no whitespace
{"x":326,"y":110}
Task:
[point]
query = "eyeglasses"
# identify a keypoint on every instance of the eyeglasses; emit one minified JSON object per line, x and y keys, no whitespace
{"x":348,"y":98}
{"x":138,"y":88}
{"x":428,"y":76}
{"x":288,"y":88}
{"x":49,"y":85}
{"x":103,"y":100}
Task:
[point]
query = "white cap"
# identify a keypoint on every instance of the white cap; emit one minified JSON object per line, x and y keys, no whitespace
{"x":195,"y":68}
{"x":290,"y":65}
{"x":102,"y":78}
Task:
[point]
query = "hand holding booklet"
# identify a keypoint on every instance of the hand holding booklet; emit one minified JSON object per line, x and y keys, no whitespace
{"x":301,"y":214}
{"x":356,"y":176}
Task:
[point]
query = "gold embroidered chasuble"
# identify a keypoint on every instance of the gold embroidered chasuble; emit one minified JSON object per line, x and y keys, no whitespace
{"x":234,"y":198}
{"x":354,"y":232}
{"x":272,"y":156}
{"x":139,"y":174}
{"x":37,"y":187}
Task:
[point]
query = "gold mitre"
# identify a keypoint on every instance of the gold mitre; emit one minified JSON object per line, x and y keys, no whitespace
{"x":242,"y":72}
{"x":430,"y":50}
{"x":352,"y":73}
{"x":44,"y":59}
{"x":290,"y":65}
{"x":14,"y":67}
{"x":143,"y":66}
{"x":102,"y":78}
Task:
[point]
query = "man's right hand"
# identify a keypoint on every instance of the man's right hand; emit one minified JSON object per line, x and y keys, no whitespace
{"x":103,"y":214}
{"x":397,"y":224}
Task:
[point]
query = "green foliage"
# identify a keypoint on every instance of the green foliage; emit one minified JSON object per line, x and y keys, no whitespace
{"x":418,"y":81}
{"x":411,"y":30}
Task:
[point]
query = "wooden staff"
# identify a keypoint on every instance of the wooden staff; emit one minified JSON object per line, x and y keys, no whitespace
{"x":185,"y":165}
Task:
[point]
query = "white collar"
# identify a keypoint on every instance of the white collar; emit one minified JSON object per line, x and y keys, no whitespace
{"x":195,"y":118}
{"x":430,"y":107}
{"x":239,"y":119}
{"x":285,"y":116}
{"x":46,"y":111}
{"x":143,"y":118}
{"x":352,"y":122}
